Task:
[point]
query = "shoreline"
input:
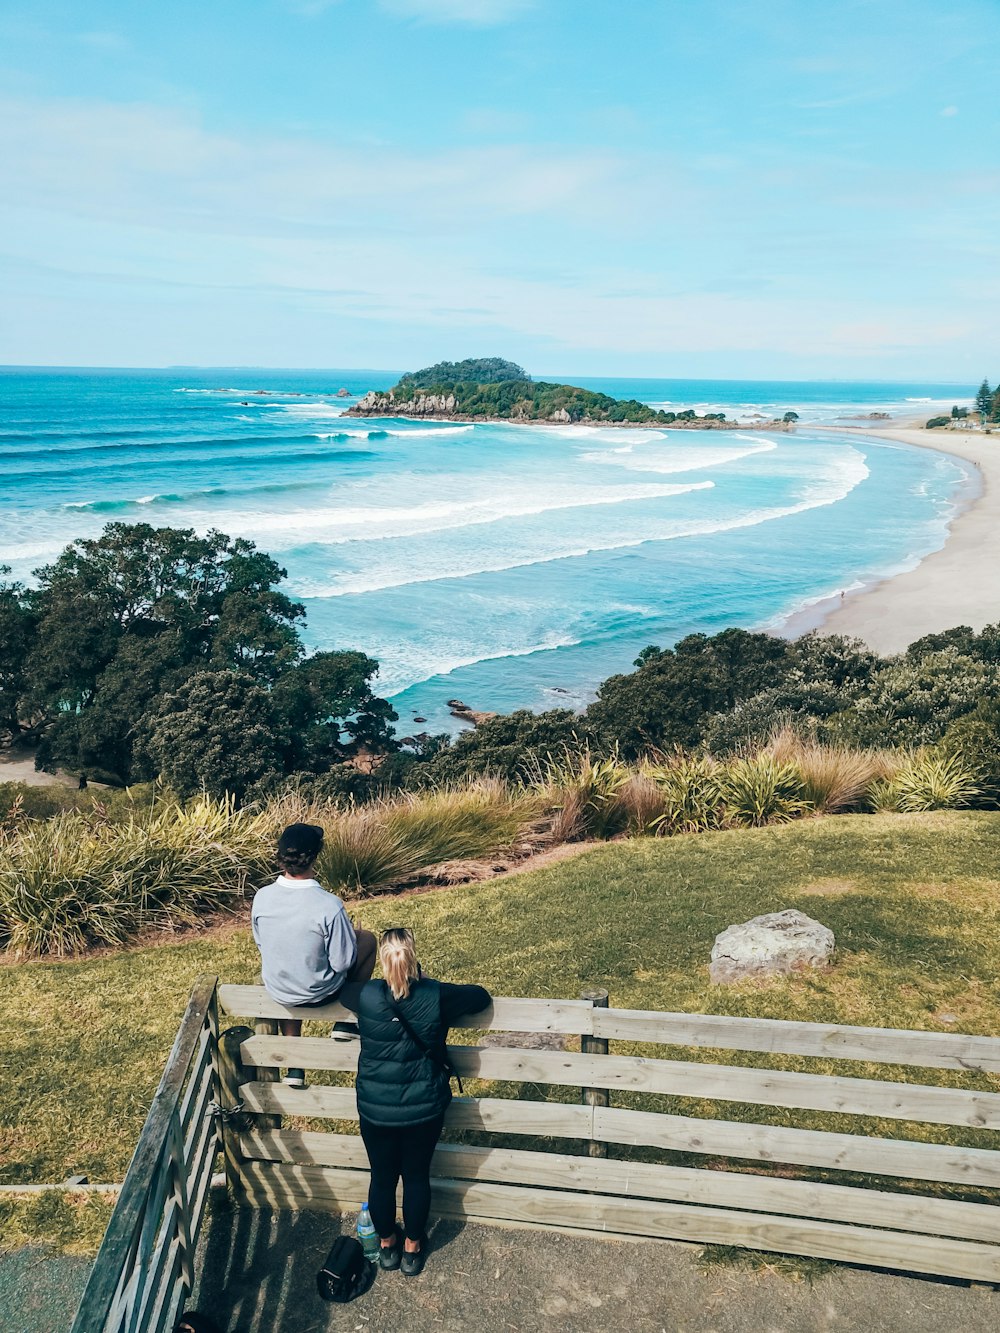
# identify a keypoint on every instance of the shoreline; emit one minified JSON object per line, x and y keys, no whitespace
{"x":464,"y":419}
{"x":947,"y":587}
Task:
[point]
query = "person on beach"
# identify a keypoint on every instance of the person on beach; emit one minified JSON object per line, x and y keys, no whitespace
{"x":404,"y":1087}
{"x":308,"y":947}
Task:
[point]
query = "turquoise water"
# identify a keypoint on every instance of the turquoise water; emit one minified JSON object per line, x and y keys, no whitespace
{"x":508,"y":566}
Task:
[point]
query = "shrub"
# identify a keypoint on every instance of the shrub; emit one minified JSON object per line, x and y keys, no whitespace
{"x":389,"y":840}
{"x":937,"y":421}
{"x":690,"y":794}
{"x":79,"y":879}
{"x":833,"y":777}
{"x":642,"y":803}
{"x":927,"y":782}
{"x":587,"y":794}
{"x":761,"y":790}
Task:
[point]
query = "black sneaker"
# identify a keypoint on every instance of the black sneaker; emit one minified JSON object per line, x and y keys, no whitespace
{"x":295,"y":1078}
{"x":411,"y":1265}
{"x":390,"y":1256}
{"x":345,"y":1032}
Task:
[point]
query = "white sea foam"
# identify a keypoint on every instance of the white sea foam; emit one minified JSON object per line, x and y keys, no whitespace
{"x":337,"y":526}
{"x":670,"y":458}
{"x":844,"y":472}
{"x":407,"y":668}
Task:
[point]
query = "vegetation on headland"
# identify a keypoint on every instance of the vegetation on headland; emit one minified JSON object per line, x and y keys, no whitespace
{"x":986,"y":409}
{"x":491,"y":388}
{"x":914,"y":902}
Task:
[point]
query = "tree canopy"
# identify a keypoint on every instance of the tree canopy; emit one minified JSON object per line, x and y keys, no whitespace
{"x":127,"y":632}
{"x":473,"y":370}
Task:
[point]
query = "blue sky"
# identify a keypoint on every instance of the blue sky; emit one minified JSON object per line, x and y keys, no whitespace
{"x":650,"y":188}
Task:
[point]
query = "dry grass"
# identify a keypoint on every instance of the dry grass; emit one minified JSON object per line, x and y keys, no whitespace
{"x":835,"y":778}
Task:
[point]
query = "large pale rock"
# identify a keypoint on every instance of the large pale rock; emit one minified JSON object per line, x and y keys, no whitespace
{"x":770,"y":945}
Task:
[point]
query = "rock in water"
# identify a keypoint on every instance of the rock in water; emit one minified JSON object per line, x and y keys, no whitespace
{"x":770,"y":945}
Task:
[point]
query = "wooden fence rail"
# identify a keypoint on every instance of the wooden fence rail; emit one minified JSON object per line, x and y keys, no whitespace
{"x":561,"y":1170}
{"x":739,"y":1205}
{"x":145,"y":1266}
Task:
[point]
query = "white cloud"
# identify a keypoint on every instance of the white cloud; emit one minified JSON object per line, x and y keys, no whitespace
{"x":478,"y":13}
{"x":949,"y":111}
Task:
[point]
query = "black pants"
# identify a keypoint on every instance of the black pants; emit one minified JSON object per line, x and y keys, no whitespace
{"x":394,"y":1151}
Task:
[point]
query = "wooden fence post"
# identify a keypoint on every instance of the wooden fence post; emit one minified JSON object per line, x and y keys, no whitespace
{"x":598,"y":997}
{"x":232,"y":1075}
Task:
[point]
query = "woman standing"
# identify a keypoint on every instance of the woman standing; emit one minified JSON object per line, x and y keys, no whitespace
{"x":404,"y":1087}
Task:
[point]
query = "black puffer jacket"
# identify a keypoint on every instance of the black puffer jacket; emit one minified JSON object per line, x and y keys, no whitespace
{"x":398,"y":1084}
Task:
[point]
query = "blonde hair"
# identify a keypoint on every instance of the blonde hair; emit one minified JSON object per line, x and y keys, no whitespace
{"x":397,"y":954}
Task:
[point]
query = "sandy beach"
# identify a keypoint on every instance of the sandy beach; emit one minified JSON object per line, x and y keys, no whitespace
{"x":956,"y":585}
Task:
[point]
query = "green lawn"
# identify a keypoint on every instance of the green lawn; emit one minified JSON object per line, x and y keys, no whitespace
{"x":914,"y":902}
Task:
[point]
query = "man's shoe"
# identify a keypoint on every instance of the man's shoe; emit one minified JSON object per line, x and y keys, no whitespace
{"x":295,"y":1078}
{"x":345,"y":1032}
{"x":411,"y":1265}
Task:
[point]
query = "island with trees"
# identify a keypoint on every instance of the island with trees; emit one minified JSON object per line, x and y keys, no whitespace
{"x":492,"y":389}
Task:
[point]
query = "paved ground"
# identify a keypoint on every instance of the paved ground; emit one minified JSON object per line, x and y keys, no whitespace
{"x":39,"y":1292}
{"x":259,"y":1276}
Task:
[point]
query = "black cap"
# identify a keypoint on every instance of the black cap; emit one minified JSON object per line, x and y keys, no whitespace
{"x":301,"y":840}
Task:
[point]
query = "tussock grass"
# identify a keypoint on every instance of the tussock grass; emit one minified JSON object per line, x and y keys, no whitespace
{"x":79,"y":880}
{"x":378,"y":844}
{"x":834,"y":778}
{"x":927,"y":782}
{"x":760,"y":790}
{"x":588,"y":796}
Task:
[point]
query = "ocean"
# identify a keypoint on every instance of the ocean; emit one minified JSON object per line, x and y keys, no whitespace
{"x":508,"y":566}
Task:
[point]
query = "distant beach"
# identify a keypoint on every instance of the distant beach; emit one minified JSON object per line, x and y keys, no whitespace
{"x":955,"y":585}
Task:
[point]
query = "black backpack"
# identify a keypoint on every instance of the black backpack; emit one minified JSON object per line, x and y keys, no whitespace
{"x":346,"y":1273}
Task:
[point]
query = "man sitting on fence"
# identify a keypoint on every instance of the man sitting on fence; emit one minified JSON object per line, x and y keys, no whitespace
{"x":308,"y":946}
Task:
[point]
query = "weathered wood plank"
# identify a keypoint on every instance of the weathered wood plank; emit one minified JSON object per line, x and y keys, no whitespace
{"x":570,"y":1017}
{"x":734,"y":1083}
{"x":804,"y":1147}
{"x":104,"y":1284}
{"x":303,"y":1186}
{"x":646,"y":1180}
{"x":930,"y":1050}
{"x":500,"y":1115}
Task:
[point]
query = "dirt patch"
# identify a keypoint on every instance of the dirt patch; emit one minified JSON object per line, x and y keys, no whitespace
{"x":827,"y":888}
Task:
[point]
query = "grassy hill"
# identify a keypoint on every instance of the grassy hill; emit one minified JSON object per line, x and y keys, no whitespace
{"x":914,"y":901}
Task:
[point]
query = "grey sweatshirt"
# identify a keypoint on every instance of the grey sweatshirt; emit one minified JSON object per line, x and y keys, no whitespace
{"x":306,"y":941}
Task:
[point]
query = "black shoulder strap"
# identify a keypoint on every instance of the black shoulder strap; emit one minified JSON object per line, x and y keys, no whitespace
{"x":435,"y":1057}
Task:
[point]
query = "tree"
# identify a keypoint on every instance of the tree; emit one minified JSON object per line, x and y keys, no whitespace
{"x":217,"y":733}
{"x":671,"y":695}
{"x":329,"y":710}
{"x":123,"y":621}
{"x":790,"y":416}
{"x":515,"y":746}
{"x":984,"y":400}
{"x":913,"y":702}
{"x":17,"y":632}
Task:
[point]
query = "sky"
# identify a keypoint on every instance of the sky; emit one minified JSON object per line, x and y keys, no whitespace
{"x":644,"y":187}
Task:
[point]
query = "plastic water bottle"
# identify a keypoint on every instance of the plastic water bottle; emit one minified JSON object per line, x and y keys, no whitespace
{"x":367,"y":1235}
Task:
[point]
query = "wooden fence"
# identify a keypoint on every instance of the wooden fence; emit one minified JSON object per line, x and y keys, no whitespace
{"x":757,"y":1206}
{"x":145,"y":1266}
